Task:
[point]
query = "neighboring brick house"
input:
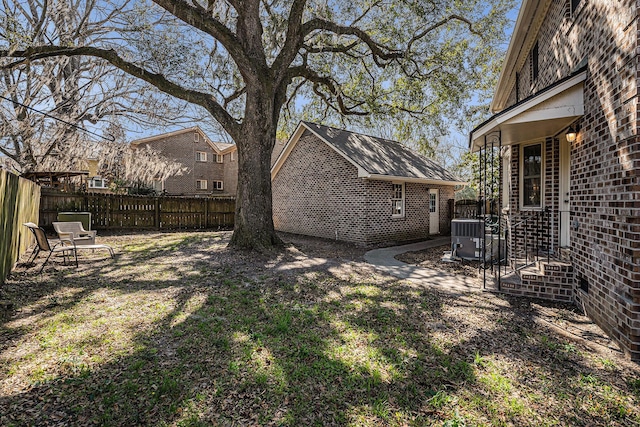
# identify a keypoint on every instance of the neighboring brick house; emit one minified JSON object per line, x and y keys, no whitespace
{"x":346,"y":186}
{"x":566,"y":125}
{"x":212,"y":166}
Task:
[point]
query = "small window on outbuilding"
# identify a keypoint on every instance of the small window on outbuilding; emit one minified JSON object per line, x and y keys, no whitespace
{"x":397,"y":200}
{"x":217,"y":185}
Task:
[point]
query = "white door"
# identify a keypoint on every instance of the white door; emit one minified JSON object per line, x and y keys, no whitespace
{"x":434,"y":209}
{"x":563,"y":196}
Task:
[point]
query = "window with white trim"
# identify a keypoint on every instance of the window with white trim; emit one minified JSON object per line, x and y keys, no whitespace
{"x":531,"y":176}
{"x":158,"y":185}
{"x":201,"y":156}
{"x":219,"y":158}
{"x":217,"y":185}
{"x":201,"y":184}
{"x":397,"y":200}
{"x":97,"y":182}
{"x":196,"y":137}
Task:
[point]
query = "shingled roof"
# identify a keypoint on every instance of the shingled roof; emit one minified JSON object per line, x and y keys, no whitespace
{"x":375,"y":158}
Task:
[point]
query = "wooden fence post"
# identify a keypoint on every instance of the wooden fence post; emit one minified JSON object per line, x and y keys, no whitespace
{"x":206,"y":213}
{"x":157,"y":212}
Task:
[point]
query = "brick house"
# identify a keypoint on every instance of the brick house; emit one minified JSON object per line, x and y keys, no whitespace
{"x":212,"y":166}
{"x":341,"y":185}
{"x":566,"y":130}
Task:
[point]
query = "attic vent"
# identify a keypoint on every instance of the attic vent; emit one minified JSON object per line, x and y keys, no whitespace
{"x":196,"y":137}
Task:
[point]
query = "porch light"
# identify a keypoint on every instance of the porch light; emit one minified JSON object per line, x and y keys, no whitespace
{"x":571,"y":134}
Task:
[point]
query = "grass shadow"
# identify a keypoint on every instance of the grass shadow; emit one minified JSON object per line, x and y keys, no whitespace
{"x":179,"y":331}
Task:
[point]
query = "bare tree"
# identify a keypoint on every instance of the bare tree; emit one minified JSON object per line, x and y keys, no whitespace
{"x":135,"y":167}
{"x":243,"y":61}
{"x":47,"y":102}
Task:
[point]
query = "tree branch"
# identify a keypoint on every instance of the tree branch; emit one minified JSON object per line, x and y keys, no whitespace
{"x":237,"y":94}
{"x":331,"y":85}
{"x":157,"y":80}
{"x":440,"y":23}
{"x":381,"y":54}
{"x":293,"y":40}
{"x":331,"y":49}
{"x":198,"y":17}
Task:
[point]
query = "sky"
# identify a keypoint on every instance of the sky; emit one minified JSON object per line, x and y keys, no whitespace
{"x":457,"y":138}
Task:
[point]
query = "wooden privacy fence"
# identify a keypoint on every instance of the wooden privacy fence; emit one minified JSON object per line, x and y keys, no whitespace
{"x":19,"y":202}
{"x":110,"y":211}
{"x":466,"y":209}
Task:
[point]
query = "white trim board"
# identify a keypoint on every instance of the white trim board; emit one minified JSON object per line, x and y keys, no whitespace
{"x":544,"y":115}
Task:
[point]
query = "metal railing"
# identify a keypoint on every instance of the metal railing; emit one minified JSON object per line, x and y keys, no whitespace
{"x":539,"y":235}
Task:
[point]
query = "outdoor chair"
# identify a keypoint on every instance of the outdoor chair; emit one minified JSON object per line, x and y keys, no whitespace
{"x":73,"y":232}
{"x":43,"y":245}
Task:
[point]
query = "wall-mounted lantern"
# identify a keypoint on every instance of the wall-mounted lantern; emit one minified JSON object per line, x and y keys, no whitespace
{"x":571,"y":134}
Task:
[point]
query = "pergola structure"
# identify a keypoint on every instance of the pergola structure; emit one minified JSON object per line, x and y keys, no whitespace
{"x":59,"y":180}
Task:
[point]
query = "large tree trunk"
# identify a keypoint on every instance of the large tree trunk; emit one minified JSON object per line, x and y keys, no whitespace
{"x":254,"y":215}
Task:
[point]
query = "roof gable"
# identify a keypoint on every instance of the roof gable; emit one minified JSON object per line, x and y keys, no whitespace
{"x":525,"y":32}
{"x":375,"y":158}
{"x":218,"y":147}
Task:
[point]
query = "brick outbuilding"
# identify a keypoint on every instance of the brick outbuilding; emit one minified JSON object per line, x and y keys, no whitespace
{"x":342,"y":185}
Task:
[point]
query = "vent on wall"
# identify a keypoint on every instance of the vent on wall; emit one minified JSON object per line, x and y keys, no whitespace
{"x":584,"y":285}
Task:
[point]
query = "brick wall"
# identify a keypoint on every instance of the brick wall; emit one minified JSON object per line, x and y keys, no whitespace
{"x":318,"y":193}
{"x":231,"y":173}
{"x":605,"y":159}
{"x":382,"y":228}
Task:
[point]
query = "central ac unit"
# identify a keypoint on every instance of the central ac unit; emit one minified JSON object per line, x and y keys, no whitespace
{"x":467,"y":236}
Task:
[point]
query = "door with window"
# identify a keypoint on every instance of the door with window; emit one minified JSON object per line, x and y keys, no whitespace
{"x":434,"y":208}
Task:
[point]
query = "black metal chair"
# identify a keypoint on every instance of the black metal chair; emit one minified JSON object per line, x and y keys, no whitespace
{"x":43,"y":245}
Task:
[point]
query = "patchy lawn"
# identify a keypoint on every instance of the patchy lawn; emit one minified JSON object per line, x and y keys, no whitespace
{"x":179,"y":331}
{"x":432,"y":258}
